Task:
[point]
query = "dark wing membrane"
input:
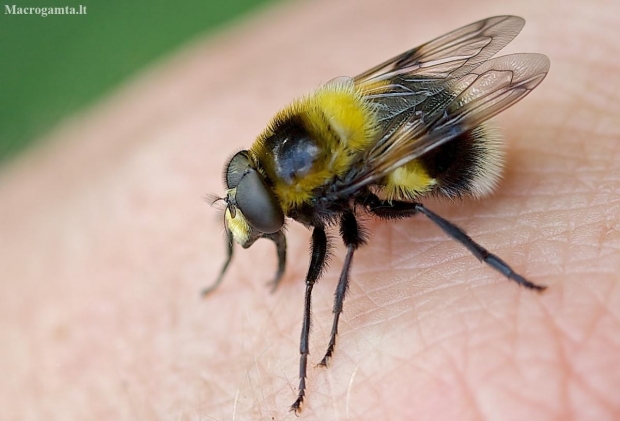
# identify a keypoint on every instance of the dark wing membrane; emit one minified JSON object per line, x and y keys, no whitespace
{"x":477,"y":96}
{"x":451,"y":55}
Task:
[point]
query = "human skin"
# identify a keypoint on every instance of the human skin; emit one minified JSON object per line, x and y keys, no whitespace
{"x":106,"y":242}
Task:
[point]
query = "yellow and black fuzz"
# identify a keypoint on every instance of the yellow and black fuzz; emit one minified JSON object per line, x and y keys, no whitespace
{"x":411,"y":127}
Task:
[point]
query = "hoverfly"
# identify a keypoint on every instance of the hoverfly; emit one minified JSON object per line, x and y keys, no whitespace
{"x":411,"y":127}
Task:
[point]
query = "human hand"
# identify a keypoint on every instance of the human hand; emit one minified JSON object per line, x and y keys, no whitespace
{"x":109,"y":245}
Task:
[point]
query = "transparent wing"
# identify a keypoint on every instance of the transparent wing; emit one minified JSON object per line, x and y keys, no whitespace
{"x":483,"y":92}
{"x":420,"y":81}
{"x":451,"y":55}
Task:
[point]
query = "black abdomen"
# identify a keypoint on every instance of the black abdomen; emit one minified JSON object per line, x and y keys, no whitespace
{"x":471,"y":164}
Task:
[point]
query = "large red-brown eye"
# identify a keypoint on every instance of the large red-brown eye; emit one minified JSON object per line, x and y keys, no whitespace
{"x":258,"y":204}
{"x":235,"y":169}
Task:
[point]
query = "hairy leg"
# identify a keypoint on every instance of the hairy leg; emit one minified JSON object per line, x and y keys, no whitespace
{"x":396,"y":209}
{"x":353,"y":237}
{"x":317,"y":264}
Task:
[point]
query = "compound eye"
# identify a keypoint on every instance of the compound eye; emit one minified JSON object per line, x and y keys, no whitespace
{"x":237,"y":166}
{"x":258,"y":204}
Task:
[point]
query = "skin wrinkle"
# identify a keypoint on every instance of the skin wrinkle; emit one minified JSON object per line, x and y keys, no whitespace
{"x":596,"y":320}
{"x":466,"y":387}
{"x":87,"y":213}
{"x":561,"y":359}
{"x":455,"y":378}
{"x":607,"y":403}
{"x":567,"y":367}
{"x":613,"y":288}
{"x":542,"y":407}
{"x":545,"y":403}
{"x":260,"y":390}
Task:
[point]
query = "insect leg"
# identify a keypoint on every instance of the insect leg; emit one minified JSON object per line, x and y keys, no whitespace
{"x":400,"y":209}
{"x":229,"y":243}
{"x":353,"y":237}
{"x":280,"y":240}
{"x":476,"y":249}
{"x":317,"y":264}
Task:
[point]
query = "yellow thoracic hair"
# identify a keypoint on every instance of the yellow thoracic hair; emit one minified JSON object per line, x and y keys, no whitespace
{"x":342,"y":124}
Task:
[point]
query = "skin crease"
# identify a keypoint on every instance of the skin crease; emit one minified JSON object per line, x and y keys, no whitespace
{"x":106,"y":243}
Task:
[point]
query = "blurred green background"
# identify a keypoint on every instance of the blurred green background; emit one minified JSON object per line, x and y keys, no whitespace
{"x":52,"y":66}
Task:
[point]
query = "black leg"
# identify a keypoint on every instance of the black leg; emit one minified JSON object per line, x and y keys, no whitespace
{"x":206,"y":291}
{"x":317,"y":264}
{"x":399,"y":209}
{"x":353,"y":237}
{"x":476,"y":249}
{"x":280,"y":240}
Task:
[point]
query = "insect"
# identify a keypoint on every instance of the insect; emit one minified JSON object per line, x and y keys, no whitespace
{"x":411,"y":127}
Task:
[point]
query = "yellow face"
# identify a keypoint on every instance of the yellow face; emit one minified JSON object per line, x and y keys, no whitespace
{"x":238,"y":226}
{"x":252,"y":210}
